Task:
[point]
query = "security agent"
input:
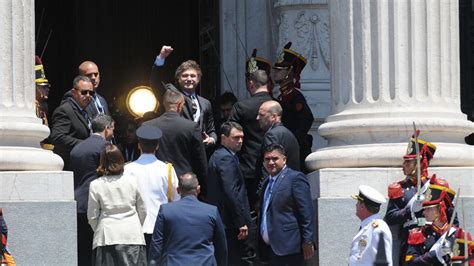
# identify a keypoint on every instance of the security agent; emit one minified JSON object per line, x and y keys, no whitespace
{"x":364,"y":244}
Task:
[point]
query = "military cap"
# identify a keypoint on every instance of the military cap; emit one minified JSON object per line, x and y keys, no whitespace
{"x":255,"y":63}
{"x":427,"y":149}
{"x":438,"y":192}
{"x":289,"y":57}
{"x":147,"y":132}
{"x":369,"y":196}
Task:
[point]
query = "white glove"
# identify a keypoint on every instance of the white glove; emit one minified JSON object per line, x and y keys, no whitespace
{"x":417,"y":203}
{"x":443,"y":250}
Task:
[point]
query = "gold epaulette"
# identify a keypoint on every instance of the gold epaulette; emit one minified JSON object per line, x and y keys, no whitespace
{"x":375,"y":224}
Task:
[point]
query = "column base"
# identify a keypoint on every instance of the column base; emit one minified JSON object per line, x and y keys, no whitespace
{"x":40,"y":212}
{"x":386,"y":154}
{"x":29,"y":159}
{"x":336,"y":221}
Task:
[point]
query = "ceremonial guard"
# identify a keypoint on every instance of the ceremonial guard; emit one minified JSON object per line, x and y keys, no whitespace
{"x":365,"y":243}
{"x":436,"y":243}
{"x":297,"y":115}
{"x":42,"y":93}
{"x":404,"y":206}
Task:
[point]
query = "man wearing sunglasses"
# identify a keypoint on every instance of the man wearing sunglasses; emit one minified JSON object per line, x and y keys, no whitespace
{"x":71,"y":122}
{"x":98,"y":104}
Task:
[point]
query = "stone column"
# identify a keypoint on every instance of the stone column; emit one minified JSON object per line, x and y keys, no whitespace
{"x":20,"y":130}
{"x":394,"y":63}
{"x":38,"y":206}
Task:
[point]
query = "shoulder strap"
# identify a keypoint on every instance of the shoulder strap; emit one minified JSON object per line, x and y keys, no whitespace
{"x":170,"y":185}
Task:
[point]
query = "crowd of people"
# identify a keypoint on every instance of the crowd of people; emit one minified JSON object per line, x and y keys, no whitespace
{"x":187,"y":186}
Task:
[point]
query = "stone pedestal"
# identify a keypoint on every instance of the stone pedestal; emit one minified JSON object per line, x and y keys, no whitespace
{"x":37,"y":198}
{"x":335,"y":209}
{"x":40,"y":212}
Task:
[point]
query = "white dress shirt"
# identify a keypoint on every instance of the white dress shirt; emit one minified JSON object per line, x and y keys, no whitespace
{"x":152,"y":177}
{"x":365,"y":243}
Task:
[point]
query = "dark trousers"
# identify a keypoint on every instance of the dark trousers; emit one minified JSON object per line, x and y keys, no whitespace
{"x":251,"y":184}
{"x":148,"y":242}
{"x":85,"y":236}
{"x":235,"y":247}
{"x":273,"y":259}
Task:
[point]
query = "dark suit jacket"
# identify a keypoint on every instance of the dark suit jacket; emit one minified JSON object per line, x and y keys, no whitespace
{"x":279,"y":134}
{"x":206,"y":119}
{"x":85,"y":158}
{"x":69,"y":128}
{"x":245,"y":113}
{"x":91,"y":109}
{"x":188,"y":232}
{"x":226,"y":189}
{"x":290,"y":215}
{"x":181,"y":145}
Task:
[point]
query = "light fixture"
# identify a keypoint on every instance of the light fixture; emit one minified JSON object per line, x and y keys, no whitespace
{"x":140,"y":100}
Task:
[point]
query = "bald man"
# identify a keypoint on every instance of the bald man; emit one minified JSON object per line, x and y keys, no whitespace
{"x":98,"y":104}
{"x":269,"y":119}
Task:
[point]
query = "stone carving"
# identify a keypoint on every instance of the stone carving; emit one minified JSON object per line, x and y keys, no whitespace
{"x":309,"y":34}
{"x":313,"y":39}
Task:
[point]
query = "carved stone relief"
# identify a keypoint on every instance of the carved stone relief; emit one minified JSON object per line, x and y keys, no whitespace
{"x":308,"y":30}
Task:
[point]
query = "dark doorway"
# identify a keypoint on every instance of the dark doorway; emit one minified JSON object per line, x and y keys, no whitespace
{"x":466,"y":44}
{"x":123,"y":38}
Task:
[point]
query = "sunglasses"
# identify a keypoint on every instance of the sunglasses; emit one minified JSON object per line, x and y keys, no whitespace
{"x":85,"y":92}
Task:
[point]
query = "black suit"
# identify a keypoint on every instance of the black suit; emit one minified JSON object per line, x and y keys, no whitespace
{"x":85,"y":158}
{"x":245,"y":113}
{"x":206,"y":118}
{"x":279,"y":134}
{"x":227,"y":192}
{"x":91,"y":109}
{"x":181,"y":145}
{"x":69,"y":129}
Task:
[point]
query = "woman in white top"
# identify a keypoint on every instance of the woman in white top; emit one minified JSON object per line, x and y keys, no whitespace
{"x":116,"y":212}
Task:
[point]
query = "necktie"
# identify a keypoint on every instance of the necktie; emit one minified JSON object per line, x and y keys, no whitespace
{"x":98,"y":105}
{"x":266,"y":201}
{"x":86,"y":117}
{"x":194,"y":108}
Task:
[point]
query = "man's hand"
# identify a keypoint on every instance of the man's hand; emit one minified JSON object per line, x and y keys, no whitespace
{"x":165,"y":51}
{"x":244,"y":232}
{"x":207,"y":140}
{"x":308,"y":250}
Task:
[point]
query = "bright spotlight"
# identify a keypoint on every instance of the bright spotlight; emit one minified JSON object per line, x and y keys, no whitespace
{"x":140,"y":100}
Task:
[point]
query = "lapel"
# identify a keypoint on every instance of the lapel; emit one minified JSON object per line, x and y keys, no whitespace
{"x":78,"y":114}
{"x":277,"y":183}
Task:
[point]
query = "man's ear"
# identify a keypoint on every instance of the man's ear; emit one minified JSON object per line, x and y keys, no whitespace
{"x":198,"y":189}
{"x":157,"y":147}
{"x":179,"y":190}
